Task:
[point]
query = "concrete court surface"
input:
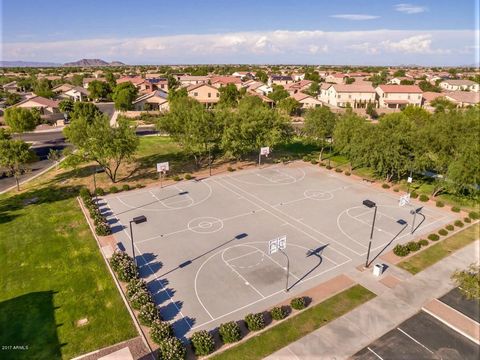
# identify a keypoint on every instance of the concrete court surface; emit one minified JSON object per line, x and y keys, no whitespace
{"x":204,"y":248}
{"x":420,"y":337}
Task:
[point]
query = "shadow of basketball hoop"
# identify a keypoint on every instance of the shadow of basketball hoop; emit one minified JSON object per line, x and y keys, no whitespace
{"x":316,"y":253}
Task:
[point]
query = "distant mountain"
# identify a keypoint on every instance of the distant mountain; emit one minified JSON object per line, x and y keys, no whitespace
{"x":93,"y":62}
{"x":20,"y":63}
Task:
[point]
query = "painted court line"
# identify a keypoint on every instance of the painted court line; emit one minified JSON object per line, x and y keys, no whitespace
{"x":418,"y":342}
{"x":374,"y":353}
{"x":240,"y":256}
{"x":288,"y":216}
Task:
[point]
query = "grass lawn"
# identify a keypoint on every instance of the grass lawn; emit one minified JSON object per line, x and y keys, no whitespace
{"x":52,"y":276}
{"x":298,"y":326}
{"x":437,"y":252}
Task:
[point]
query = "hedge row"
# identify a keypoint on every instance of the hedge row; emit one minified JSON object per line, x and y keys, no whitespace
{"x":114,"y":189}
{"x":101,"y":225}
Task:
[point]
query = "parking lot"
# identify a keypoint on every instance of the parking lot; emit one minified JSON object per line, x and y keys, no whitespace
{"x":204,"y":247}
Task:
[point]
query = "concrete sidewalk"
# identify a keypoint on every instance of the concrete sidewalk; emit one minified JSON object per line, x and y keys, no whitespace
{"x":348,"y":334}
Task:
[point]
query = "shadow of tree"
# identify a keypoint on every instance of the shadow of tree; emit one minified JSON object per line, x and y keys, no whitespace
{"x":29,"y":320}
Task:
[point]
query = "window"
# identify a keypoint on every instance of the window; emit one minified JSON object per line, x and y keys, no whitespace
{"x":218,"y":94}
{"x":195,"y":94}
{"x":408,"y":97}
{"x":349,"y":96}
{"x":209,"y":95}
{"x":339,"y":96}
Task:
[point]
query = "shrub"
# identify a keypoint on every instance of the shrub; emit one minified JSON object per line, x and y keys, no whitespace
{"x":171,"y":349}
{"x":455,"y":209}
{"x":134,"y":286}
{"x":202,"y":343}
{"x":188,"y":177}
{"x":313,"y":162}
{"x":433,"y":237}
{"x":458,"y":223}
{"x":278,"y":313}
{"x":439,"y":203}
{"x":125,"y":187}
{"x":100,"y":192}
{"x":255,"y":322}
{"x":176,"y":178}
{"x":102,"y":229}
{"x":413,"y":195}
{"x":128,"y":271}
{"x":442,"y":232}
{"x":160,"y":330}
{"x":385,"y":186}
{"x":347,"y":173}
{"x":306,"y":158}
{"x":449,"y":227}
{"x":423,"y":242}
{"x":423,"y":198}
{"x":298,"y":303}
{"x":413,"y":246}
{"x":118,"y":258}
{"x":401,"y":250}
{"x":230,"y":169}
{"x":113,"y":189}
{"x":148,"y":314}
{"x":139,"y":186}
{"x":322,"y":164}
{"x":140,"y":298}
{"x":230,"y":332}
{"x":328,"y":167}
{"x":467,"y":220}
{"x":84,"y":193}
{"x":473,"y":215}
{"x":396,"y":189}
{"x":338,"y":170}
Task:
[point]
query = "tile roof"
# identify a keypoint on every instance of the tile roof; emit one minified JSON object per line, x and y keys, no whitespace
{"x":468,"y":97}
{"x":400,"y":89}
{"x":357,"y":88}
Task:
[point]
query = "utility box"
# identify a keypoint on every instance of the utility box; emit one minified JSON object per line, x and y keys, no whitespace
{"x":378,"y":269}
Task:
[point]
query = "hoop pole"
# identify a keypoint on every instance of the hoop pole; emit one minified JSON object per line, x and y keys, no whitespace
{"x":288,"y":268}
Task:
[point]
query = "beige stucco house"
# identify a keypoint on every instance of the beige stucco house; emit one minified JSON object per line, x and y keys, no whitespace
{"x":340,"y":95}
{"x":398,"y":96}
{"x":460,"y":85}
{"x":204,"y":93}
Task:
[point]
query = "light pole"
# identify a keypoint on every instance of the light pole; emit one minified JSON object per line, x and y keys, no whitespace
{"x":96,"y":171}
{"x":210,"y":160}
{"x":414,"y":212}
{"x":370,"y":204}
{"x":137,"y":220}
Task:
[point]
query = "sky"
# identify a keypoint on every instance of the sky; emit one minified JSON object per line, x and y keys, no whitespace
{"x":352,"y":32}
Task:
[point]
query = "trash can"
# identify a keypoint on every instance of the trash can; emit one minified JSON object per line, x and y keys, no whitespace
{"x":378,"y":269}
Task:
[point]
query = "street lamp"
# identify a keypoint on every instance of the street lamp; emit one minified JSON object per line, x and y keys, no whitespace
{"x":96,"y":171}
{"x":137,"y":220}
{"x":414,"y":212}
{"x":370,"y":204}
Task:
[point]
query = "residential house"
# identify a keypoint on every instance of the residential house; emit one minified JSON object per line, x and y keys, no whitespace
{"x":298,"y":76}
{"x":156,"y":100}
{"x":460,"y":85}
{"x":259,"y":87}
{"x":398,"y":96}
{"x":306,"y":101}
{"x":44,"y":105}
{"x":279,"y":80}
{"x":219,"y":81}
{"x":463,"y":98}
{"x":428,"y":97}
{"x":264,"y":98}
{"x":243,"y":75}
{"x":11,"y":87}
{"x":336,"y":78}
{"x":398,"y":80}
{"x":135,"y":80}
{"x":77,"y":93}
{"x":87,"y":81}
{"x":295,"y":87}
{"x":187,"y":80}
{"x":341,"y":95}
{"x":204,"y":93}
{"x":60,"y":89}
{"x":158,"y":83}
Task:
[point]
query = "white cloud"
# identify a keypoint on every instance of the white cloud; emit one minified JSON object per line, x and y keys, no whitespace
{"x":410,"y":9}
{"x":280,"y":46}
{"x":355,"y":17}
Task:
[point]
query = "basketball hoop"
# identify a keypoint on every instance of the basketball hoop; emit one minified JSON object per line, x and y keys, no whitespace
{"x":404,"y":200}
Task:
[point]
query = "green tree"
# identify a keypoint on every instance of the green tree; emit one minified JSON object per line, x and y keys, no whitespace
{"x":43,"y":88}
{"x":21,"y":119}
{"x":371,"y":110}
{"x":192,"y":126}
{"x":407,"y":82}
{"x":66,"y":106}
{"x":27,"y":83}
{"x":261,"y":76}
{"x":229,"y":95}
{"x":85,"y":110}
{"x":314,"y":89}
{"x":99,"y":90}
{"x":349,"y":80}
{"x":468,"y":281}
{"x":380,"y":78}
{"x":252,"y":126}
{"x":442,"y":104}
{"x":124,"y":95}
{"x":289,"y":106}
{"x":14,"y":155}
{"x":55,"y":156}
{"x":77,"y":80}
{"x":98,"y":141}
{"x":12,"y":98}
{"x":111,"y":80}
{"x":278,"y":93}
{"x":319,"y":126}
{"x":399,"y":73}
{"x":427,"y":86}
{"x":172,"y":83}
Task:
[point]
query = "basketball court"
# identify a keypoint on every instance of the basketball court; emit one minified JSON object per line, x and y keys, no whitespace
{"x":205,"y":252}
